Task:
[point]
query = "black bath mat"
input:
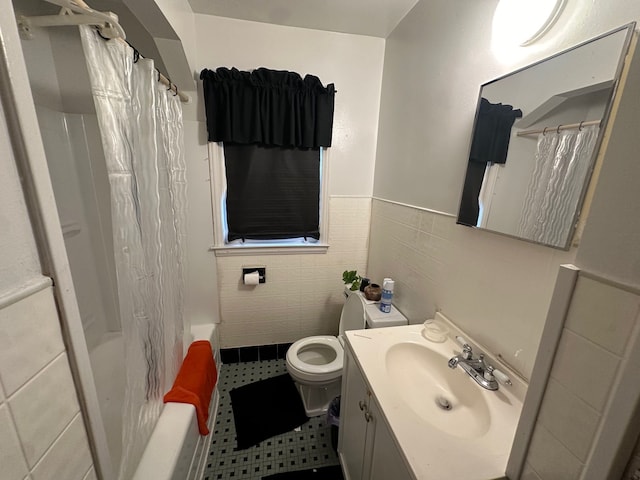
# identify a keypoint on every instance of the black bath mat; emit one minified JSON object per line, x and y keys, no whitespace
{"x":266,"y":408}
{"x":323,"y":473}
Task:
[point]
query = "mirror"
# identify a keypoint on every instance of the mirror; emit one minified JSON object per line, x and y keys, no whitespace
{"x":536,"y":135}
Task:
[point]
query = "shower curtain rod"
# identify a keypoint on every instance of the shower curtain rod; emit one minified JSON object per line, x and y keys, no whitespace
{"x":77,"y":12}
{"x":184,"y":98}
{"x":568,"y":126}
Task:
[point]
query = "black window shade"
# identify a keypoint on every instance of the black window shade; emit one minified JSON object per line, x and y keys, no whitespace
{"x":272,"y":192}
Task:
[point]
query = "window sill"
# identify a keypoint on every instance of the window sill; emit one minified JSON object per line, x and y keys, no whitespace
{"x":247,"y":250}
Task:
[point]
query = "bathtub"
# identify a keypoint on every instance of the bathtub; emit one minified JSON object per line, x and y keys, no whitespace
{"x":176,"y":450}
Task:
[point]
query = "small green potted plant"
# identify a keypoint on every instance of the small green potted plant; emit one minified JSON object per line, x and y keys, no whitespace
{"x":351,"y":277}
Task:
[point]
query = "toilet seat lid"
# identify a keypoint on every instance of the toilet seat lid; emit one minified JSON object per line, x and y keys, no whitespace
{"x":322,"y":340}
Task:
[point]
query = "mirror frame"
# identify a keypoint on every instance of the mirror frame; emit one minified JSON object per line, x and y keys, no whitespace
{"x":604,"y":124}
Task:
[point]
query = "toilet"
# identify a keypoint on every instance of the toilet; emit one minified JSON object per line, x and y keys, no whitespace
{"x":315,"y":363}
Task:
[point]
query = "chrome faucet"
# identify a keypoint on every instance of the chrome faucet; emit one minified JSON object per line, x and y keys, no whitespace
{"x":484,"y":374}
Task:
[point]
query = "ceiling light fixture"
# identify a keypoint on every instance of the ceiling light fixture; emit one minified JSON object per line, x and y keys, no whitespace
{"x":525,"y":21}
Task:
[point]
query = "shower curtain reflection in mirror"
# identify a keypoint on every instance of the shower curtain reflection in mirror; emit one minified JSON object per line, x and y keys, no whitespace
{"x":562,"y":162}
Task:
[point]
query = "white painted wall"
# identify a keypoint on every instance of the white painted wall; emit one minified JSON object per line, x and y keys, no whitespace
{"x":303,"y":292}
{"x":610,"y":243}
{"x":18,"y":255}
{"x":203,"y":301}
{"x":435,"y":62}
{"x":181,"y":18}
{"x":352,"y":62}
{"x":45,"y":87}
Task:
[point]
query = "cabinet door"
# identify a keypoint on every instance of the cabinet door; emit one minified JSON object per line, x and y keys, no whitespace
{"x":353,"y":426}
{"x":385,"y":461}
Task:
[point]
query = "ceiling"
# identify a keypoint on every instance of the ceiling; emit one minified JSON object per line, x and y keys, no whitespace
{"x":375,"y":18}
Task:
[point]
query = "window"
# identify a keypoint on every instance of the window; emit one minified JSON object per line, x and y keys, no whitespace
{"x":279,"y":207}
{"x":274,"y":126}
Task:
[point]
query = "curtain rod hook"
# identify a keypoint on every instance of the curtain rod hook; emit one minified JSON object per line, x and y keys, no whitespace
{"x":175,"y":94}
{"x":558,"y":129}
{"x":544,"y":131}
{"x":580,"y":126}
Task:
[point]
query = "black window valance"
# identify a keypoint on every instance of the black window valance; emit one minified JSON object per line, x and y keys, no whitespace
{"x":490,"y":144}
{"x":268,"y":107}
{"x":492,"y":132}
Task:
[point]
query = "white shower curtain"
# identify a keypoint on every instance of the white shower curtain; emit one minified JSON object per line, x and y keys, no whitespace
{"x":562,"y":164}
{"x":141,"y":129}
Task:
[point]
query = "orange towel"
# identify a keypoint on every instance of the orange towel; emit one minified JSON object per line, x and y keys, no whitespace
{"x":195,"y":381}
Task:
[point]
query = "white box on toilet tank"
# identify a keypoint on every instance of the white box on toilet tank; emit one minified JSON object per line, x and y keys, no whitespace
{"x":377,"y":319}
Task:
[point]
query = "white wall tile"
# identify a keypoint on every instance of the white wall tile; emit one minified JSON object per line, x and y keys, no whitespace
{"x":44,"y":407}
{"x":585,"y":369}
{"x":550,"y":459}
{"x":303,"y":293}
{"x":68,"y":458}
{"x":12,"y":460}
{"x":461,"y":271}
{"x":30,"y":338}
{"x":568,"y":418}
{"x":603,"y":313}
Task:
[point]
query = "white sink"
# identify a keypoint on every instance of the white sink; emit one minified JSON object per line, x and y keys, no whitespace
{"x":411,"y":382}
{"x":439,"y":395}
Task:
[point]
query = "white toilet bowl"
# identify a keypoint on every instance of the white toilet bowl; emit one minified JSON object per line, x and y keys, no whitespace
{"x":316,"y":360}
{"x":315,"y":363}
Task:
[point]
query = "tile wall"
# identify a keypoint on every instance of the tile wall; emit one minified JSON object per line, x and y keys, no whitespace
{"x":595,"y":340}
{"x":303,"y":293}
{"x":42,"y":433}
{"x":495,"y":288}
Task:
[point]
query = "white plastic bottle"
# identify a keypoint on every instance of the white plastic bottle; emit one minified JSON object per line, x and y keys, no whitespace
{"x":387,"y":295}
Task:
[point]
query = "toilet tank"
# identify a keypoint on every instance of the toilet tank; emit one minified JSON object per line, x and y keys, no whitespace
{"x":357,"y":313}
{"x":377,"y":319}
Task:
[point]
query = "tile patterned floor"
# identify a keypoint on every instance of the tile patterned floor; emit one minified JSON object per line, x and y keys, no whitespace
{"x":308,"y":448}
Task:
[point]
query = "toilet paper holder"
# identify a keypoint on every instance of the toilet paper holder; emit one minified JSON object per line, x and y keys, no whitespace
{"x":261,"y":272}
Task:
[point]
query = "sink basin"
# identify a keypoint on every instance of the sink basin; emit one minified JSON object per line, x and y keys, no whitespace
{"x":449,"y":400}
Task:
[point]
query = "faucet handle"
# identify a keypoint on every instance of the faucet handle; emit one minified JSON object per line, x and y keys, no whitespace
{"x":467,"y":352}
{"x":492,"y":373}
{"x":488,"y":373}
{"x":501,"y":377}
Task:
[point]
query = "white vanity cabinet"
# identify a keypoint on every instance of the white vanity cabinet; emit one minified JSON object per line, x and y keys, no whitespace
{"x":366,"y":446}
